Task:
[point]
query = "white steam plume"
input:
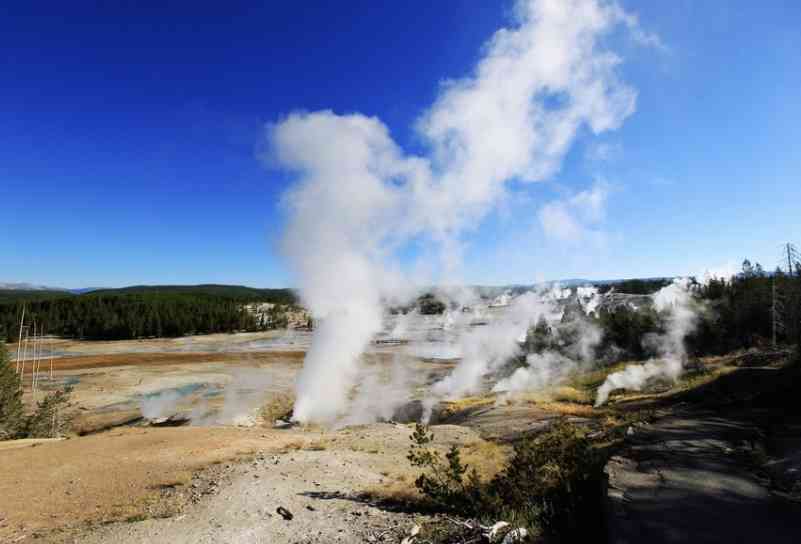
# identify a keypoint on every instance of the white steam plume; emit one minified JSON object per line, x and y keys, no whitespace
{"x":576,"y":337}
{"x":675,"y":299}
{"x":589,"y":298}
{"x":379,"y":397}
{"x":160,"y":405}
{"x":359,"y":198}
{"x":486,"y":349}
{"x":542,"y":370}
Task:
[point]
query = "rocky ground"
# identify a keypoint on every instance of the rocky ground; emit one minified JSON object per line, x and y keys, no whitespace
{"x":693,"y":478}
{"x":193,"y":484}
{"x":722,"y":464}
{"x":301,"y":496}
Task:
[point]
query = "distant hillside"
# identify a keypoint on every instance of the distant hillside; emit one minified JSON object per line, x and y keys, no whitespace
{"x":27,"y":287}
{"x":13,"y":295}
{"x":12,"y":292}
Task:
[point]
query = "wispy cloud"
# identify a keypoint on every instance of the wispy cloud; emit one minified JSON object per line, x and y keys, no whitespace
{"x":577,"y":218}
{"x":603,"y":152}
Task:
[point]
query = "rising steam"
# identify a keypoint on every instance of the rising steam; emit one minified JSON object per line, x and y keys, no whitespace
{"x":359,"y":198}
{"x":486,"y":349}
{"x":677,"y":302}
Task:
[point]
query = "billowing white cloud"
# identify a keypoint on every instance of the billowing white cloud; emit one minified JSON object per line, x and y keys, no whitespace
{"x":359,"y":198}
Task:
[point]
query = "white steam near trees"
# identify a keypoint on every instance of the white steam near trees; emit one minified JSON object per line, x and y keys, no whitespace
{"x":676,"y":301}
{"x":359,"y":198}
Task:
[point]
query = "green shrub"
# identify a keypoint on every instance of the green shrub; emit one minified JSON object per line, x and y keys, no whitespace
{"x":551,"y":484}
{"x":446,"y":482}
{"x":554,"y":479}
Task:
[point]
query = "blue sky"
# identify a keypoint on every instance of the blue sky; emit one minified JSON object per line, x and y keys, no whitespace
{"x":130,"y":136}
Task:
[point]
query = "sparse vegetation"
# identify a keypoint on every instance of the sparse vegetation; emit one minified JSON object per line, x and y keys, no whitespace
{"x":428,"y":304}
{"x":550,"y":485}
{"x":47,"y":421}
{"x":457,"y":408}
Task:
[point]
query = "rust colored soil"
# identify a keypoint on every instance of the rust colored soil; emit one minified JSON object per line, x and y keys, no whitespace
{"x":171,"y":358}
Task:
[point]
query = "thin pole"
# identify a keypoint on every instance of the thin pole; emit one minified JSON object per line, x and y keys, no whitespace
{"x":50,"y":351}
{"x":19,"y":342}
{"x":24,"y":357}
{"x":775,"y":314}
{"x":38,"y":361}
{"x":33,"y":363}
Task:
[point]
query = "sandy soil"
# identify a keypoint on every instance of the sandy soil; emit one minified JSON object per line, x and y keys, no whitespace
{"x":87,"y":362}
{"x":107,"y":476}
{"x":68,"y":491}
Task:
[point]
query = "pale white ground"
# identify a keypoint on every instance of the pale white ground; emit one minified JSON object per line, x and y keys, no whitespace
{"x":320,"y":488}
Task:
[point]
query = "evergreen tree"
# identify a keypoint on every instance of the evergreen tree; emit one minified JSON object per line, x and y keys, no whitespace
{"x":12,"y":418}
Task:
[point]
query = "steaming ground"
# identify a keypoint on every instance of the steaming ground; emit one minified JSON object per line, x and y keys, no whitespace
{"x":214,"y":481}
{"x":222,"y":475}
{"x":119,"y":469}
{"x":227,"y":471}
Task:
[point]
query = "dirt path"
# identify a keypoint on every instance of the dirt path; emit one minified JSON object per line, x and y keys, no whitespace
{"x":691,"y":478}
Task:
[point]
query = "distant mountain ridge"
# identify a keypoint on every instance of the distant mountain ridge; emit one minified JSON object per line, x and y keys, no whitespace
{"x":21,"y":286}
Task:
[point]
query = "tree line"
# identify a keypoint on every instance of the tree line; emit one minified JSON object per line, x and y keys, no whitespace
{"x":739,"y":312}
{"x":143,"y":312}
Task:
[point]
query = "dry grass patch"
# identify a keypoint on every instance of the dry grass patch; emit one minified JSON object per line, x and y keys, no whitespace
{"x":177,"y":479}
{"x":321,"y":444}
{"x":396,"y":488}
{"x":590,"y":381}
{"x":571,"y":409}
{"x":278,"y":406}
{"x":487,"y":458}
{"x":567,"y":393}
{"x":691,"y":380}
{"x":451,"y":408}
{"x":564,"y":393}
{"x":293,"y":445}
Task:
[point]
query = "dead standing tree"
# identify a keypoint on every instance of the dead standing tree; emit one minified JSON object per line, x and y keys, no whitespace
{"x":787,"y":301}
